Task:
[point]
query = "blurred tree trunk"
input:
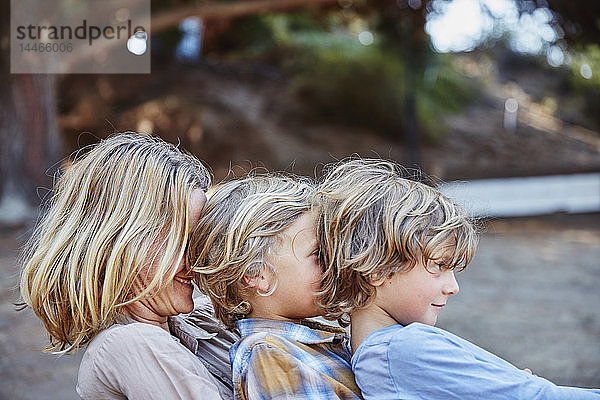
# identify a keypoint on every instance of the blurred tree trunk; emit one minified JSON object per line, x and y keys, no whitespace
{"x":412,"y":153}
{"x":29,"y":138}
{"x":403,"y":24}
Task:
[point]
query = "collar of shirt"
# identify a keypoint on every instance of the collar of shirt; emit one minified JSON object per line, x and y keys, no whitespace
{"x":305,"y":331}
{"x":209,"y":340}
{"x":189,"y":333}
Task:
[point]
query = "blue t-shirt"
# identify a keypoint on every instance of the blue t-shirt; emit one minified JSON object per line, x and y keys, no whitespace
{"x":424,"y":362}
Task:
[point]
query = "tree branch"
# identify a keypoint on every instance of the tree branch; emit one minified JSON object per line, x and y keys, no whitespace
{"x":167,"y":19}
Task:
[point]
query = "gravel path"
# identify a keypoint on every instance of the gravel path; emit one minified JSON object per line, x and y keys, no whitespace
{"x":531,"y":296}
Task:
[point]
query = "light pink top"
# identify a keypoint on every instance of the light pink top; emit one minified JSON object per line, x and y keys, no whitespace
{"x":142,"y":361}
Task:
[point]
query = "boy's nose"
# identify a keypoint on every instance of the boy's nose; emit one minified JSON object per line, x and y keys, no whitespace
{"x":451,"y":286}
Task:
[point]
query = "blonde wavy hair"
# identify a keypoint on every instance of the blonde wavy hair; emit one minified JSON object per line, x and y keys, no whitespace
{"x":240,"y":226}
{"x":110,"y":211}
{"x":374,"y":223}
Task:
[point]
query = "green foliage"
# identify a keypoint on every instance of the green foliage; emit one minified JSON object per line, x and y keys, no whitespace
{"x":589,"y":58}
{"x":359,"y":86}
{"x":345,"y":81}
{"x":443,"y":90}
{"x":249,"y":36}
{"x":253,"y":35}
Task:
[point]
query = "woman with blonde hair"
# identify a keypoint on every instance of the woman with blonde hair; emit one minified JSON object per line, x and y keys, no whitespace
{"x":105,"y":268}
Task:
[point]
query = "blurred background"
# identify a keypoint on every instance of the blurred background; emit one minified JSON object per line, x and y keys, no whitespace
{"x":496,"y":101}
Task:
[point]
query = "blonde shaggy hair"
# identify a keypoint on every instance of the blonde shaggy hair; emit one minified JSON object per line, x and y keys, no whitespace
{"x":110,"y":211}
{"x":241,"y":224}
{"x":375,"y":223}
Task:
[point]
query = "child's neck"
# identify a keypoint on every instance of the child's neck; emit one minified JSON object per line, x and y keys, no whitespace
{"x":272,"y":316}
{"x":367,"y":320}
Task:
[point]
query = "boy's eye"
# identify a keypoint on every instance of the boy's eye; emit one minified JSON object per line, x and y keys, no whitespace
{"x":436,"y":267}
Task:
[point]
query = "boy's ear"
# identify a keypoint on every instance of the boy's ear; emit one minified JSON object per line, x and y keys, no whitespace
{"x":374,"y":280}
{"x":260,"y":283}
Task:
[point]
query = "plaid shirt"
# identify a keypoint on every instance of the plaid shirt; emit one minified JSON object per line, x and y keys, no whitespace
{"x":284,"y":360}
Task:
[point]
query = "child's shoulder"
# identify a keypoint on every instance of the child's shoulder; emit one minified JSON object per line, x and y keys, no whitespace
{"x":394,"y":332}
{"x":258,"y":339}
{"x":411,"y":338}
{"x":414,"y":345}
{"x":260,"y":348}
{"x":262,"y":337}
{"x":255,"y":331}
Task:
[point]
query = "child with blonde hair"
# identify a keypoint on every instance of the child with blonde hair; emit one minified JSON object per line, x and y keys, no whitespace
{"x":255,"y":254}
{"x":390,"y":247}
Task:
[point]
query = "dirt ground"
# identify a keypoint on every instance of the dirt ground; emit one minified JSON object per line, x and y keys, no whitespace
{"x":531,"y":296}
